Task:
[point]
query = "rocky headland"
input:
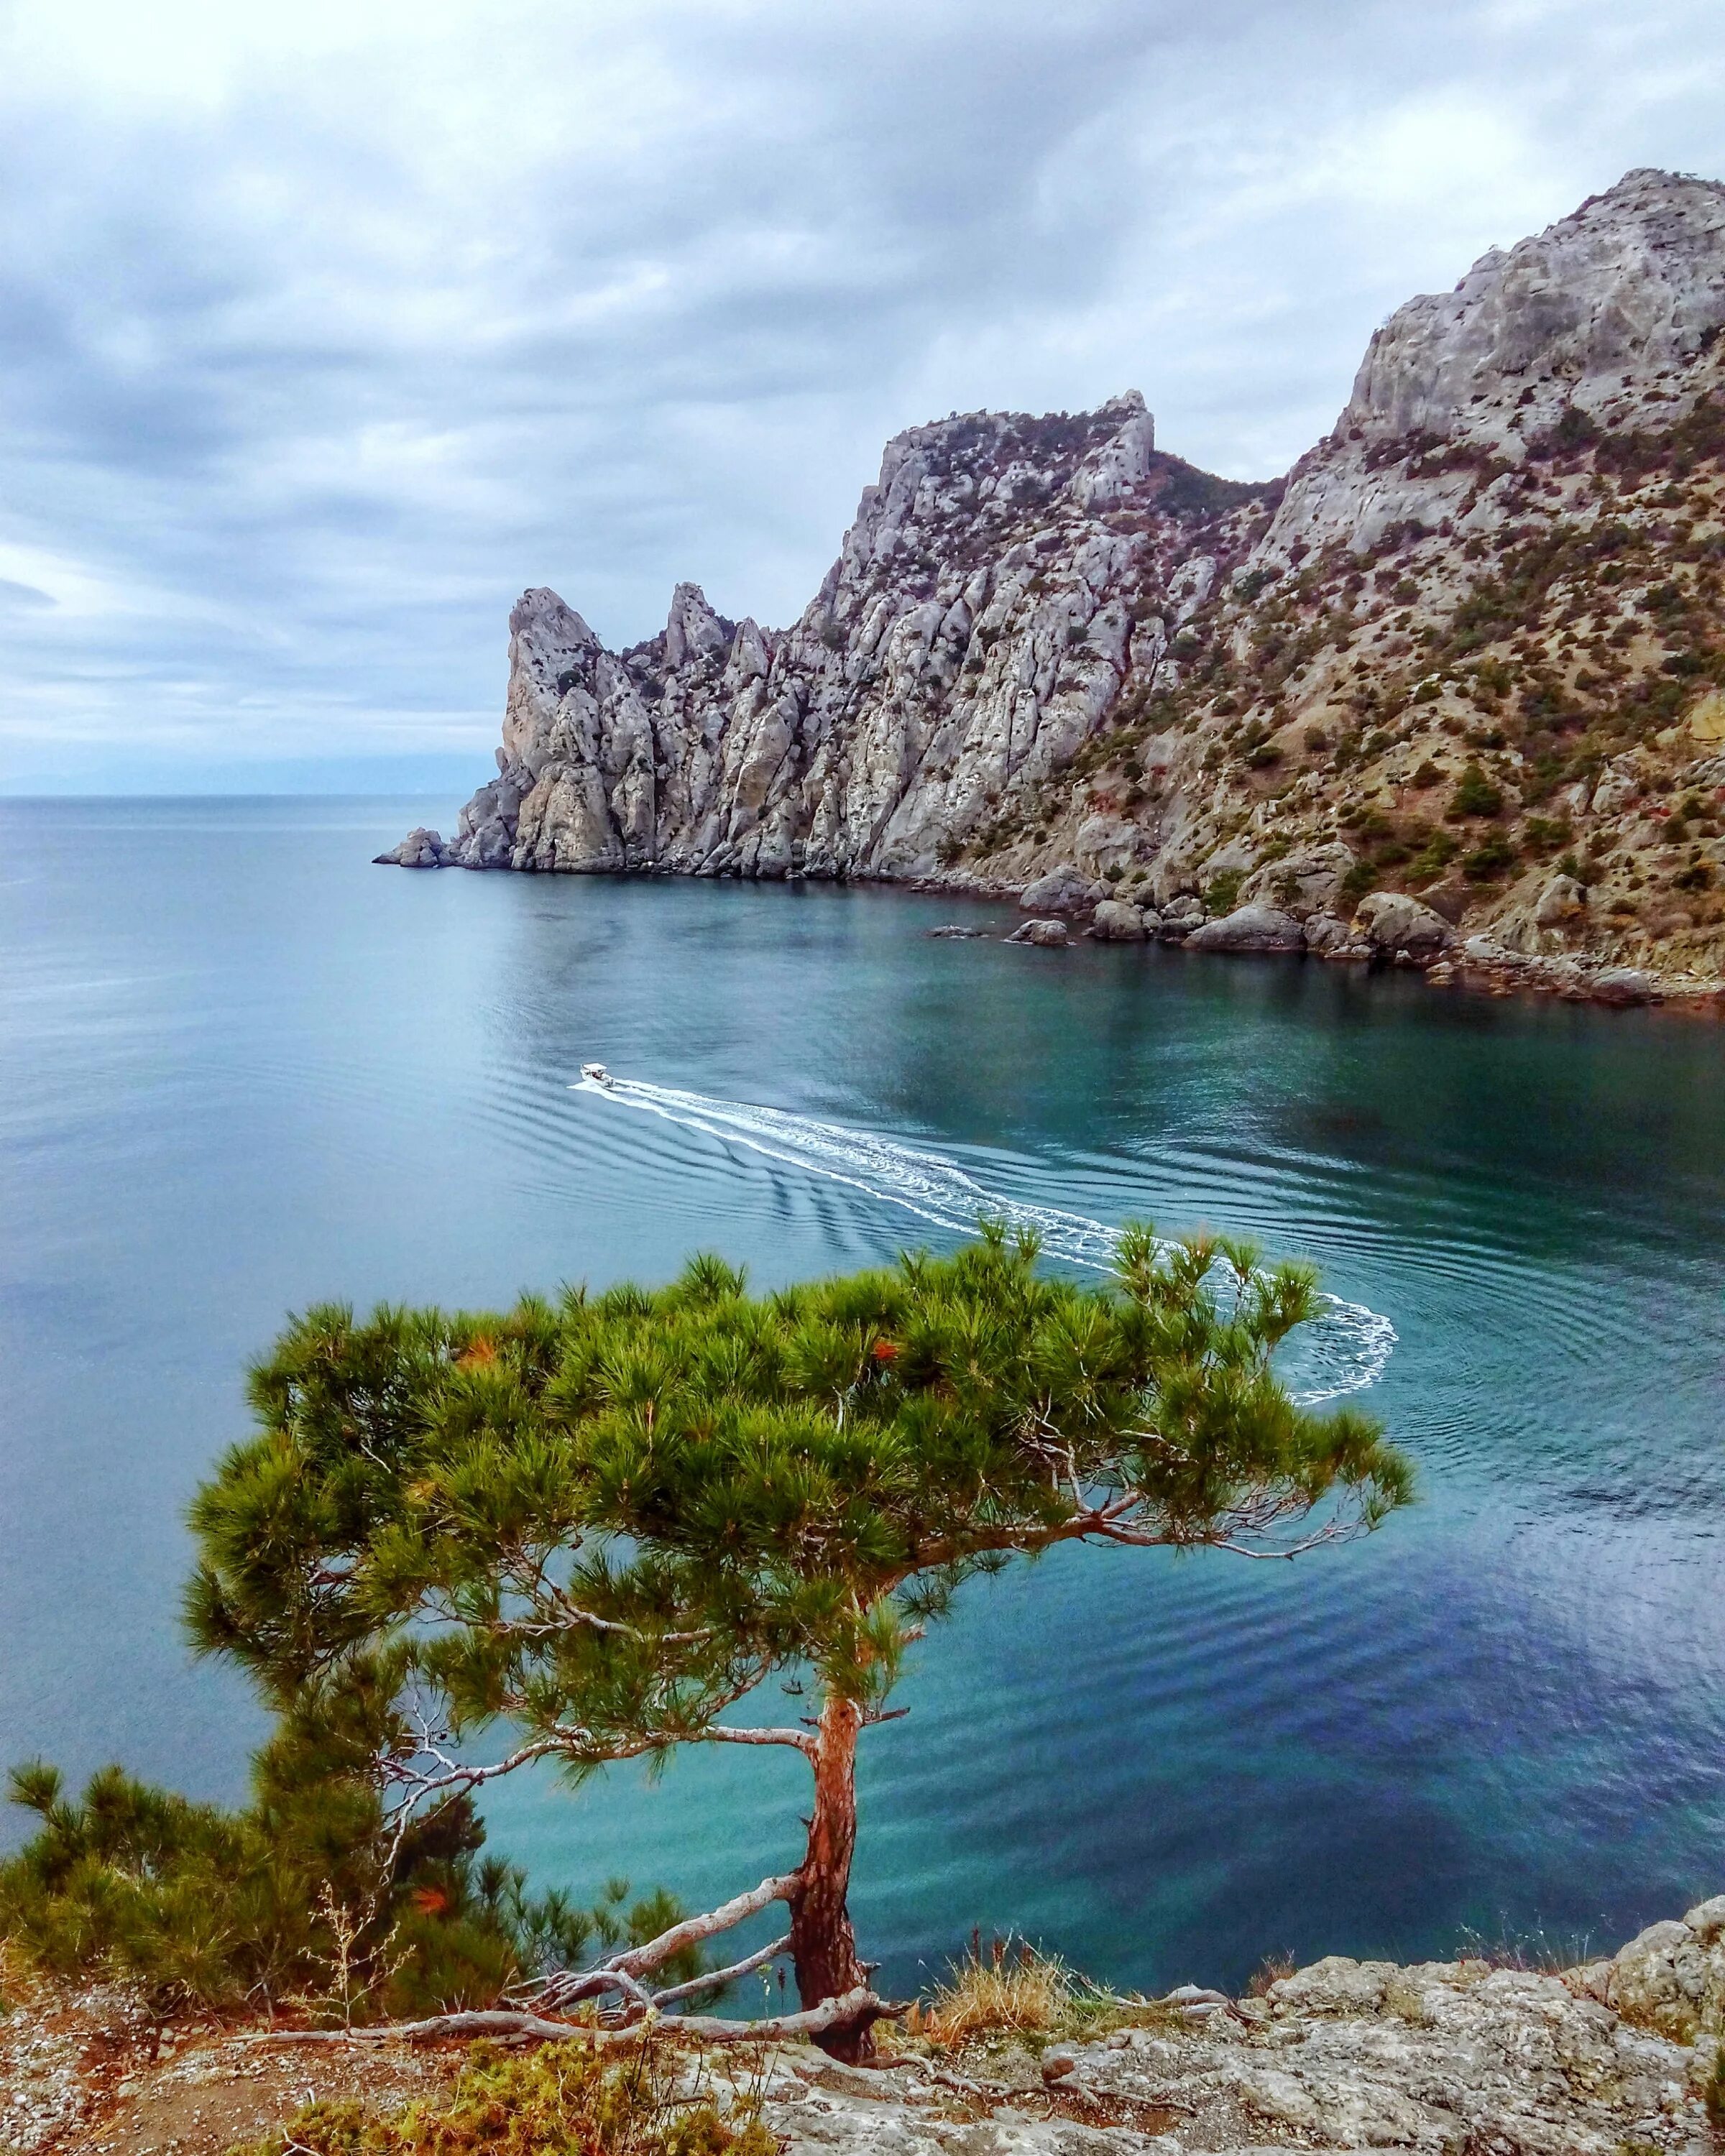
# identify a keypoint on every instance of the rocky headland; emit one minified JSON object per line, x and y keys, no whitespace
{"x":1451,"y":693}
{"x":1614,"y":2057}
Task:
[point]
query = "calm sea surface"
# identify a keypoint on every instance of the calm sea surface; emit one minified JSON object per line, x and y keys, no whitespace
{"x":241,"y":1069}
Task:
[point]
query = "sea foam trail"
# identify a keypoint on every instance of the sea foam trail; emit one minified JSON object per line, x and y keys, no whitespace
{"x":1343,"y":1350}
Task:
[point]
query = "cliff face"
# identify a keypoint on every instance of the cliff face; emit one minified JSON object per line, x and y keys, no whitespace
{"x":1470,"y":649}
{"x":1001,"y":592}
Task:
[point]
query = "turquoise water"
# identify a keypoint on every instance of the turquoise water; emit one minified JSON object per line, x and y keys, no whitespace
{"x":241,"y":1069}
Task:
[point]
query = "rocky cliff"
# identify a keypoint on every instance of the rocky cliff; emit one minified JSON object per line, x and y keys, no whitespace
{"x":1470,"y":651}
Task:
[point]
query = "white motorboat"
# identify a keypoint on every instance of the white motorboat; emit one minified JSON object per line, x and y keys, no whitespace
{"x":598,"y":1073}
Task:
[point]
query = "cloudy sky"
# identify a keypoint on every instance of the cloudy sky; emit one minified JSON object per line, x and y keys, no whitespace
{"x":326,"y":327}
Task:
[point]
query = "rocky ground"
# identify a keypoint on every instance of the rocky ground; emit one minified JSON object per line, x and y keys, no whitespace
{"x":1454,"y":2058}
{"x":1472,"y":649}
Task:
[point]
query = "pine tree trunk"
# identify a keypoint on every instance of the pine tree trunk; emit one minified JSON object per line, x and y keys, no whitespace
{"x":822,"y":1945}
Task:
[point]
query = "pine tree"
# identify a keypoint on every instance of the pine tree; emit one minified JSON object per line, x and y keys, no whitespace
{"x":604,"y":1524}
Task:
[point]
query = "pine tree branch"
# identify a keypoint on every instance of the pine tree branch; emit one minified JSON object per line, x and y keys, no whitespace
{"x":692,"y":1931}
{"x":724,"y":1733}
{"x":715,"y":1977}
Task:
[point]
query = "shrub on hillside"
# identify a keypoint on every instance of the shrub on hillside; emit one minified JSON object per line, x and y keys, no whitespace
{"x":1475,"y":795}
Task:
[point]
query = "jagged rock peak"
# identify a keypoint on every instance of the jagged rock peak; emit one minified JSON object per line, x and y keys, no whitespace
{"x":693,"y":630}
{"x":1631,"y":285}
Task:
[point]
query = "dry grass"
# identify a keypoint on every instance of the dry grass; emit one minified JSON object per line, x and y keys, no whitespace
{"x":1003,"y":1987}
{"x":1271,"y":1970}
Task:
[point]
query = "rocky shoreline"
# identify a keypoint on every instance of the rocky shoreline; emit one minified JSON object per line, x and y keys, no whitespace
{"x":1386,"y":928}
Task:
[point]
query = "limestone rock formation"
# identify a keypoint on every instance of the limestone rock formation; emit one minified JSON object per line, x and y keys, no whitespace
{"x":1472,"y":649}
{"x":990,"y":607}
{"x":1392,"y":921}
{"x":1115,"y":921}
{"x":1249,"y":928}
{"x":1047,"y":935}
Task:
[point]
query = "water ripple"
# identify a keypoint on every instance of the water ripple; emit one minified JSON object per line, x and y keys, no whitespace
{"x":1343,"y":1351}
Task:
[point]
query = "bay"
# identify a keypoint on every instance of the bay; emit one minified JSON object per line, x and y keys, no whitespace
{"x":242,"y":1070}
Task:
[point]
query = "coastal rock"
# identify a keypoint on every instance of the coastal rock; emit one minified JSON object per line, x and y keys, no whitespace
{"x":1046,"y":935}
{"x":1063,"y":889}
{"x":1178,"y":916}
{"x":1302,"y":883}
{"x":1328,"y":937}
{"x":420,"y":849}
{"x":1249,"y":928}
{"x":954,"y":934}
{"x":1334,"y":1985}
{"x":984,"y":615}
{"x":1110,"y":842}
{"x":1562,"y":900}
{"x":1667,"y":1979}
{"x":1625,"y":985}
{"x":1115,"y":921}
{"x":1393,"y":923}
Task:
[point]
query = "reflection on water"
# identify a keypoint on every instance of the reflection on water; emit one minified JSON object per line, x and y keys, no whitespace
{"x":242,"y":1070}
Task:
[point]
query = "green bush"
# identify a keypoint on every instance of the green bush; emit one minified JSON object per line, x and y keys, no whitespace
{"x":298,"y":1897}
{"x":1489,"y":859}
{"x":1221,"y":892}
{"x":1436,"y":855}
{"x":1475,"y":795}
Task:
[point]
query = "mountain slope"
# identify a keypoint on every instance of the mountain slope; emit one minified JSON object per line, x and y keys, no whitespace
{"x":1472,"y":648}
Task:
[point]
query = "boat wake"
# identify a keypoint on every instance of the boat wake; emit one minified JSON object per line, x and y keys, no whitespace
{"x":1343,"y":1350}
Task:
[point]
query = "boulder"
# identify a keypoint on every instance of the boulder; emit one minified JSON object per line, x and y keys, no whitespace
{"x":1392,"y":922}
{"x":1625,"y":985}
{"x":1178,"y":917}
{"x":1449,"y":898}
{"x":1328,"y":937}
{"x":1617,"y":786}
{"x":1116,"y":922}
{"x":1063,"y":889}
{"x":1302,"y":883}
{"x":420,"y":849}
{"x":1046,"y":934}
{"x":1562,"y":900}
{"x":1249,"y":928}
{"x":1667,"y":1979}
{"x":953,"y":933}
{"x":1334,"y":1985}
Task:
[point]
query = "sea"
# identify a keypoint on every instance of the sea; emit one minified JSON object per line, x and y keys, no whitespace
{"x":242,"y":1070}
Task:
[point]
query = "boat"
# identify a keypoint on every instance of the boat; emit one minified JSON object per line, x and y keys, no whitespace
{"x":598,"y":1073}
